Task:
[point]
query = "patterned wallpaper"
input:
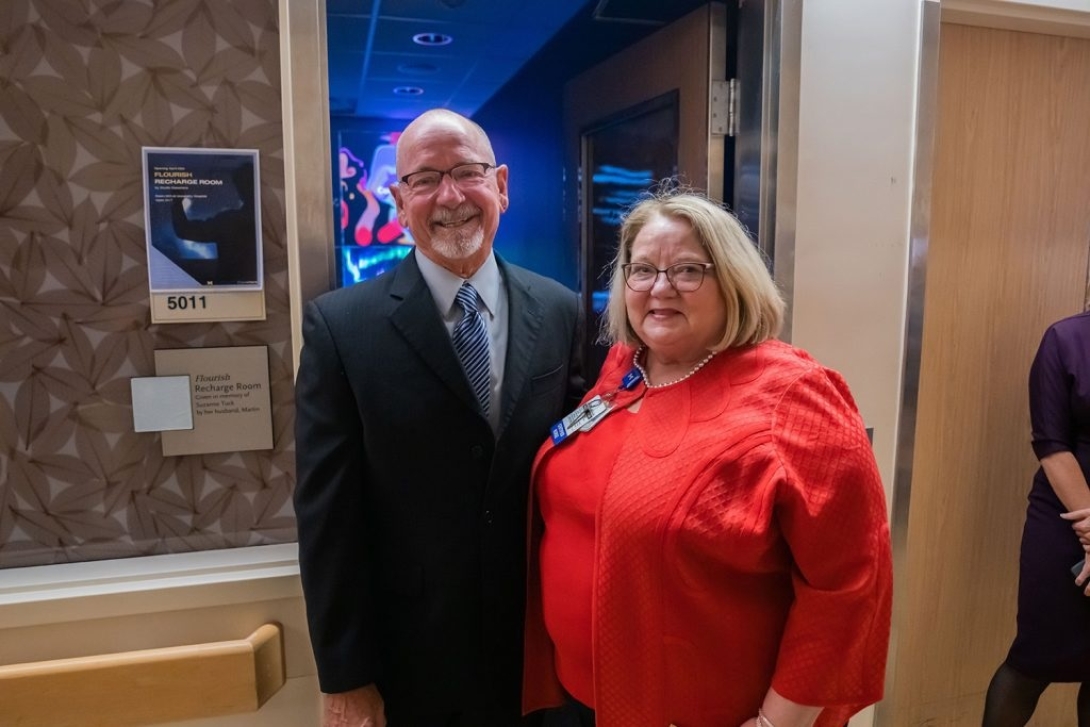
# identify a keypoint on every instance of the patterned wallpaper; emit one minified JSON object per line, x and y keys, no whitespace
{"x":84,"y":84}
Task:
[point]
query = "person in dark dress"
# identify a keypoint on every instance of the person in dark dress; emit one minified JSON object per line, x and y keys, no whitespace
{"x":1053,"y":639}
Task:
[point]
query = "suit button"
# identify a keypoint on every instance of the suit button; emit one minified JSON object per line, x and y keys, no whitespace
{"x":477,"y":451}
{"x":488,"y":517}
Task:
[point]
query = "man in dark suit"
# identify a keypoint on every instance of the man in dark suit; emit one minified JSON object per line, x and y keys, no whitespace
{"x":414,"y":450}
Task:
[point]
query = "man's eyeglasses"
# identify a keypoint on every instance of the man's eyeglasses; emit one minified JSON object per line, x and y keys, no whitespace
{"x":464,"y":175}
{"x":685,"y":277}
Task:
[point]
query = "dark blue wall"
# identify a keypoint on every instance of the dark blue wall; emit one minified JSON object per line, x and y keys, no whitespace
{"x":526,"y":129}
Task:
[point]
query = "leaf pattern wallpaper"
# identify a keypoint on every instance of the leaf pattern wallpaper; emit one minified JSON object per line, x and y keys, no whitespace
{"x":84,"y":84}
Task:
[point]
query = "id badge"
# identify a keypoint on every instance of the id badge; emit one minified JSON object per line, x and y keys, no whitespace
{"x":587,"y":416}
{"x":568,"y":425}
{"x":597,"y":409}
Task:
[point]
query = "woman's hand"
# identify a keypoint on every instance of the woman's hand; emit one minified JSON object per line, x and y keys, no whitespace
{"x":1080,"y":523}
{"x":1083,"y":578}
{"x":779,"y":711}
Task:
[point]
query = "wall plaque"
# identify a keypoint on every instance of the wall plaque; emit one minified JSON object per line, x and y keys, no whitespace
{"x":232,"y":406}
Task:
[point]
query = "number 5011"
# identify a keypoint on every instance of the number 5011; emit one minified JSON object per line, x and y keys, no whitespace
{"x":186,"y":302}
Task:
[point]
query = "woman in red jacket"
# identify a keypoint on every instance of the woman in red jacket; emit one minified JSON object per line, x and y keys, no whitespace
{"x":709,"y":546}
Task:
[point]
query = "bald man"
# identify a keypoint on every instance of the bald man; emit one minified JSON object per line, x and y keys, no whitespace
{"x":422,"y":397}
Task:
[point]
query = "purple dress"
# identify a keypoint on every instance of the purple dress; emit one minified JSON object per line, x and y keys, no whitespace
{"x":1053,"y":641}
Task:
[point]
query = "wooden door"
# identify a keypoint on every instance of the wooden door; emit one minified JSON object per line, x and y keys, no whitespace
{"x":1007,"y":256}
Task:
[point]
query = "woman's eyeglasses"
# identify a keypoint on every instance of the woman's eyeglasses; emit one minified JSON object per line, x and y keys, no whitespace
{"x":685,"y":277}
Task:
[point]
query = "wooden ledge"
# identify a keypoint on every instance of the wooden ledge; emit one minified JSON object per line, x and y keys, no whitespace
{"x":145,"y":687}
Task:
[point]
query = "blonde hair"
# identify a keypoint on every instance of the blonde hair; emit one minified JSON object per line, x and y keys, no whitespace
{"x":755,"y":308}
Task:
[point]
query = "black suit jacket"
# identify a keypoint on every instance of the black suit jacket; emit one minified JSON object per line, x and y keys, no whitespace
{"x":411,"y":512}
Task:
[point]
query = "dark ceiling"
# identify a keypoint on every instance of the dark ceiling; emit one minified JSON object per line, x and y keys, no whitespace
{"x":377,"y":70}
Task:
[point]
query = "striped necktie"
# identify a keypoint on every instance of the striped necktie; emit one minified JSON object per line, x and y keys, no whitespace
{"x":471,"y":342}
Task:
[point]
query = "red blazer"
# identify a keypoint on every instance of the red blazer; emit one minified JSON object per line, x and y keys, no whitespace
{"x":742,"y":542}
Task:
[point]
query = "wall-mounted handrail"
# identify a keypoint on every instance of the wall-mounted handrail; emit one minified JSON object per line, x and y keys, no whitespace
{"x":150,"y":686}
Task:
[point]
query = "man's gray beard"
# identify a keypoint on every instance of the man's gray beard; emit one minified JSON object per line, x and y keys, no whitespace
{"x":458,"y":245}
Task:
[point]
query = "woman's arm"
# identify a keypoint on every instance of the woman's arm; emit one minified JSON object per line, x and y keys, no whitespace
{"x":1068,"y":481}
{"x":831,"y":511}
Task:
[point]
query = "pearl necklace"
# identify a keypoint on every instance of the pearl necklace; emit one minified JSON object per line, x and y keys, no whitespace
{"x":647,"y":381}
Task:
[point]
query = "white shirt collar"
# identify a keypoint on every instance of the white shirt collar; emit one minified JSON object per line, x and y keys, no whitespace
{"x":444,"y":284}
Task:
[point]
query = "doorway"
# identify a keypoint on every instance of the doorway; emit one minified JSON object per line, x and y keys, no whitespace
{"x":1008,"y":255}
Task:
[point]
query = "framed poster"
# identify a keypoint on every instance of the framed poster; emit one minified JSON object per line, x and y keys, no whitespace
{"x":202,"y":216}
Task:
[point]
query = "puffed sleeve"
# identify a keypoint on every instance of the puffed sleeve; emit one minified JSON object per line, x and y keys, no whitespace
{"x":831,"y":509}
{"x":1050,"y":398}
{"x":329,"y":505}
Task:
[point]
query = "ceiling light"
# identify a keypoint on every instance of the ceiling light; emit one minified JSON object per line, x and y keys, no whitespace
{"x":433,"y":39}
{"x":408,"y":91}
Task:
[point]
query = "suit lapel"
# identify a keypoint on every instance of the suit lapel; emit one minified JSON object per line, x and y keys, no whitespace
{"x":523,"y":329}
{"x":416,"y":319}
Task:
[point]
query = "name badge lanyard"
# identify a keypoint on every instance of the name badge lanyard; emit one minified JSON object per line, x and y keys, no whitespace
{"x":587,"y":415}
